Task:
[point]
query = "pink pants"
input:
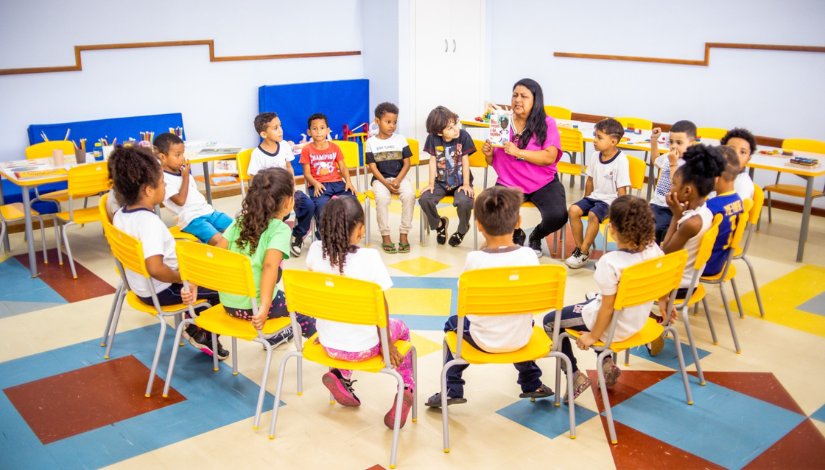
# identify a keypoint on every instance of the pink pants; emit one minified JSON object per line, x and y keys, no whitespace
{"x":398,"y":331}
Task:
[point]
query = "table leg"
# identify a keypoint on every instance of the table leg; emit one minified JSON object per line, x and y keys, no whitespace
{"x":206,"y":182}
{"x":651,"y":180}
{"x":27,"y":211}
{"x":806,"y":218}
{"x":6,"y":245}
{"x":751,"y":171}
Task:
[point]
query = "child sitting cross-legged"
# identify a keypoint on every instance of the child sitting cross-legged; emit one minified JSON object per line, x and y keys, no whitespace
{"x":632,"y":226}
{"x":497,"y":217}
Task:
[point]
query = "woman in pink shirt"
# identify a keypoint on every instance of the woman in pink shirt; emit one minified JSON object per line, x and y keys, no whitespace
{"x":529,"y":160}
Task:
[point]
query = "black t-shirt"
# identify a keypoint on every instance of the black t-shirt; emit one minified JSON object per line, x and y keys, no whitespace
{"x":448,"y":155}
{"x":388,"y":155}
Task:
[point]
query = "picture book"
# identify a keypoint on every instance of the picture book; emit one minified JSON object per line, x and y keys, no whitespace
{"x":500,"y":122}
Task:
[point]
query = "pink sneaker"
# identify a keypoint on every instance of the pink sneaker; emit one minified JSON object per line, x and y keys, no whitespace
{"x":340,"y":388}
{"x":389,"y":418}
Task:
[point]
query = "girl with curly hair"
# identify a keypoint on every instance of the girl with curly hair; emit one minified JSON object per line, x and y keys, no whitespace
{"x":633,"y":227}
{"x":260,"y":233}
{"x":337,"y":252}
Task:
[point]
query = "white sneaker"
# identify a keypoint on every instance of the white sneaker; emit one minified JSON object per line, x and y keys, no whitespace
{"x":577,"y":259}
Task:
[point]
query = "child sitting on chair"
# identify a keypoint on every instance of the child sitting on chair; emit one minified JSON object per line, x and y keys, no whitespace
{"x":497,"y":217}
{"x":632,"y":226}
{"x":682,"y":135}
{"x":337,"y":252}
{"x":744,"y":143}
{"x":728,"y":203}
{"x":192,"y":213}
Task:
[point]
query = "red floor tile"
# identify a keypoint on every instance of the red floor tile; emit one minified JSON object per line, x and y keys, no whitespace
{"x":630,"y":383}
{"x":801,"y":449}
{"x":760,"y":385}
{"x":59,"y":278}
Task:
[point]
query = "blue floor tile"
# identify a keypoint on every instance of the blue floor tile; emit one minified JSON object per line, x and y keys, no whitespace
{"x":668,"y":356}
{"x":544,"y":417}
{"x":815,"y":305}
{"x":819,"y":414}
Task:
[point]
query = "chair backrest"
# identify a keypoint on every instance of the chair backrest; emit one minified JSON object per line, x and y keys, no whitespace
{"x":711,"y":133}
{"x":243,"y":158}
{"x":335,"y":298}
{"x":477,"y":158}
{"x":753,"y":219}
{"x":637,"y":172}
{"x":511,"y":290}
{"x":216,"y":268}
{"x":350,"y":151}
{"x":557,"y":112}
{"x":415,"y":159}
{"x":104,"y":214}
{"x":88,"y":179}
{"x":635,"y":123}
{"x":44,"y":149}
{"x":127,"y":249}
{"x":650,"y":280}
{"x":739,"y":231}
{"x":708,"y":240}
{"x":804,"y":145}
{"x":571,"y":140}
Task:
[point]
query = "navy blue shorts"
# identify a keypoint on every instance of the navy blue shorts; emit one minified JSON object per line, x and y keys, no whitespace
{"x":588,"y":205}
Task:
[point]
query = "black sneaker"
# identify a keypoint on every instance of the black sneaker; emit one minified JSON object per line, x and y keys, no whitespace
{"x":281,"y":338}
{"x":519,"y":236}
{"x":203,"y":341}
{"x":456,"y":239}
{"x":535,"y":244}
{"x":188,"y":332}
{"x":441,"y":231}
{"x":296,"y":246}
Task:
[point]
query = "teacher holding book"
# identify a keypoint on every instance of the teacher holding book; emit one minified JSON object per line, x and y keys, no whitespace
{"x":528,"y":161}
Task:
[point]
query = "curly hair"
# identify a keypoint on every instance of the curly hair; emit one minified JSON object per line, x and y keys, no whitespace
{"x":340,"y":217}
{"x":438,"y":120}
{"x":165,"y":141}
{"x":262,"y":120}
{"x":385,"y":108}
{"x":497,"y":209}
{"x":703,"y":164}
{"x":740,"y":133}
{"x":268,"y":193}
{"x":132,"y":169}
{"x":536,"y":125}
{"x":632,"y":219}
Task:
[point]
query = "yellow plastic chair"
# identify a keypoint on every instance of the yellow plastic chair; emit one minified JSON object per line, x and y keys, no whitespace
{"x":225,"y":271}
{"x":637,"y":180}
{"x":728,"y":273}
{"x":13,"y":213}
{"x":742,"y":249}
{"x":635,"y":123}
{"x":477,"y":160}
{"x":84,"y":180}
{"x":795,"y":190}
{"x":369,"y":194}
{"x":242,"y":158}
{"x":128,"y":254}
{"x":640,"y":284}
{"x":44,"y":150}
{"x":508,"y":291}
{"x":711,"y":133}
{"x":346,"y":300}
{"x":557,"y":112}
{"x":572,"y":143}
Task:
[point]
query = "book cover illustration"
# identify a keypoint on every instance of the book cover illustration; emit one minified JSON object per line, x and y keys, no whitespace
{"x":500,"y":122}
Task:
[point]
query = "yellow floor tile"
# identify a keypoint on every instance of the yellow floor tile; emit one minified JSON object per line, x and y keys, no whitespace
{"x":419,"y":301}
{"x":420,"y":266}
{"x":423,"y":346}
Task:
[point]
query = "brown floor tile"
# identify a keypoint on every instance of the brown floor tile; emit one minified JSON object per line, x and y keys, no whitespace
{"x":760,"y":385}
{"x":801,"y":449}
{"x":86,"y":286}
{"x":630,"y":383}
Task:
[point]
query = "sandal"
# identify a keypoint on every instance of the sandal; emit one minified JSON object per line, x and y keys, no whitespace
{"x":580,"y":384}
{"x":543,"y":392}
{"x":389,"y":248}
{"x":435,"y":401}
{"x":403,"y":247}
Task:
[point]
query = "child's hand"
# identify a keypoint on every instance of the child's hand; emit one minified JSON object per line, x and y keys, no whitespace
{"x":391,"y":187}
{"x":674,"y":205}
{"x":428,"y":188}
{"x":396,"y":183}
{"x":585,"y":341}
{"x":674,"y":155}
{"x":190,"y":296}
{"x":674,"y":315}
{"x":467,"y":189}
{"x":350,"y":187}
{"x":396,"y":359}
{"x":259,"y":320}
{"x":655,"y":133}
{"x":487,"y":148}
{"x":184,"y":169}
{"x":319,"y":189}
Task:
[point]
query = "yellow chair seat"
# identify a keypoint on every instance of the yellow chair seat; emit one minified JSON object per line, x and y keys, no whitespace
{"x":569,"y":168}
{"x":14,"y":211}
{"x":81,"y":216}
{"x":137,"y":304}
{"x":315,"y":352}
{"x":537,"y":348}
{"x":177,"y":234}
{"x":791,"y":190}
{"x":731,"y":275}
{"x":216,"y":320}
{"x":371,"y":194}
{"x":648,"y":333}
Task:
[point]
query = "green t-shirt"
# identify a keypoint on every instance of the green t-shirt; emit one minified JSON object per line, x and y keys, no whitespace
{"x":275,"y":237}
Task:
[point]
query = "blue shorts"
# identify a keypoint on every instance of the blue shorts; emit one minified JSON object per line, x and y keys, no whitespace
{"x":600,"y":208}
{"x":205,"y":227}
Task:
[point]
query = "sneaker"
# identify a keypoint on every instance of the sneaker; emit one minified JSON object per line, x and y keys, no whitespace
{"x":543,"y":392}
{"x":655,"y":347}
{"x":281,"y":338}
{"x":611,"y":372}
{"x":577,"y":259}
{"x":519,"y":236}
{"x":580,"y":384}
{"x":340,"y":388}
{"x":591,"y":295}
{"x":188,"y":332}
{"x":441,"y":231}
{"x":204,"y":338}
{"x":456,"y":239}
{"x":535,"y":244}
{"x":435,"y":400}
{"x":389,"y":418}
{"x":296,"y":246}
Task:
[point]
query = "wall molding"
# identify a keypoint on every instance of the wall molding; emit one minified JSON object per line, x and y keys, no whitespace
{"x":135,"y":45}
{"x":704,"y":63}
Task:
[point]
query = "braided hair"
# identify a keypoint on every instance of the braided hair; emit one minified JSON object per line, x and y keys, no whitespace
{"x":633,"y":221}
{"x":132,"y":169}
{"x":268,"y":192}
{"x":340,"y":218}
{"x":703,"y":164}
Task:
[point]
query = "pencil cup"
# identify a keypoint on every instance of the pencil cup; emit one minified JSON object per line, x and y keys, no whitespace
{"x":80,"y":155}
{"x":107,"y":149}
{"x":57,"y":157}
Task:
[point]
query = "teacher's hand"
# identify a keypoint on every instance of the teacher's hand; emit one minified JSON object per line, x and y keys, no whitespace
{"x":511,"y":149}
{"x":487,"y":148}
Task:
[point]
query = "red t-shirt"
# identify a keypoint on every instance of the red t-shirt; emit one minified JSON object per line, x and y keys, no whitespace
{"x":323,"y":164}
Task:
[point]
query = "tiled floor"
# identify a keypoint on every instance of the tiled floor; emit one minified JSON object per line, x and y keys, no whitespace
{"x":64,"y":406}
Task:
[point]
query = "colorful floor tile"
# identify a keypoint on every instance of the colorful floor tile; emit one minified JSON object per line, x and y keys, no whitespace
{"x":420,"y":266}
{"x":59,"y":278}
{"x":423,"y":346}
{"x":668,"y":357}
{"x":22,"y":293}
{"x":544,"y":417}
{"x":819,"y":414}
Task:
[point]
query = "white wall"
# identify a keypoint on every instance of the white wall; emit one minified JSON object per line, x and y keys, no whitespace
{"x":218,"y":100}
{"x":775,"y":94}
{"x":379,"y":19}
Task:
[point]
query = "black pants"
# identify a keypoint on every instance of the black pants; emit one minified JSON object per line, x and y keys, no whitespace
{"x":171,"y":296}
{"x":552,"y":204}
{"x":461,"y":200}
{"x":277,"y":309}
{"x":662,"y":216}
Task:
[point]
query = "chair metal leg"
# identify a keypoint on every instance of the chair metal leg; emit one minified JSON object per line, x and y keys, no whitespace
{"x":415,"y":381}
{"x":682,"y":367}
{"x":627,"y":358}
{"x":215,"y":352}
{"x":234,"y":356}
{"x":770,"y":215}
{"x":568,"y":366}
{"x":696,"y":309}
{"x":603,"y":387}
{"x":42,"y":239}
{"x":730,"y":319}
{"x":115,"y":320}
{"x":57,"y":242}
{"x":115,"y":301}
{"x":444,"y":411}
{"x":367,"y":212}
{"x":182,"y":326}
{"x":264,"y":380}
{"x":69,"y":251}
{"x":396,"y":427}
{"x":736,"y":296}
{"x":692,"y":343}
{"x":158,"y":349}
{"x":710,"y":321}
{"x":421,"y":216}
{"x":475,"y":231}
{"x":755,"y":285}
{"x":278,"y":390}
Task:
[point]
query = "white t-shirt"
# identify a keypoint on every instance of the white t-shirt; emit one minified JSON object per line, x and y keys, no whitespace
{"x":366,"y":265}
{"x":195,"y":205}
{"x":692,"y":245}
{"x":262,"y":159}
{"x":111,"y":204}
{"x":665,"y":178}
{"x":743,"y":185}
{"x":156,"y":239}
{"x":608,"y":274}
{"x":501,"y":333}
{"x":608,"y":176}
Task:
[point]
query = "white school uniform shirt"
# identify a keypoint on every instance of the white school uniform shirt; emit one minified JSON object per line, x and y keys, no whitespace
{"x":665,"y":179}
{"x":195,"y":205}
{"x":366,"y":265}
{"x":501,"y":333}
{"x":156,"y":239}
{"x":608,"y":176}
{"x":692,"y":245}
{"x":743,"y":185}
{"x":261,"y":159}
{"x":608,"y":274}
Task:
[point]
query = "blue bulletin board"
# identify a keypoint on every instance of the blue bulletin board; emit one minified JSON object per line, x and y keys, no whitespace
{"x":122,"y":128}
{"x":343,"y":102}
